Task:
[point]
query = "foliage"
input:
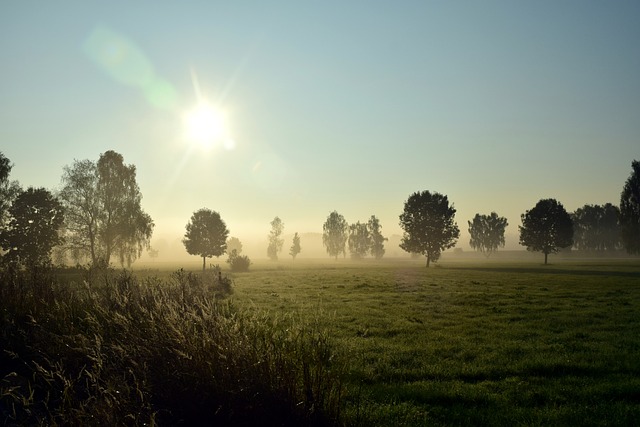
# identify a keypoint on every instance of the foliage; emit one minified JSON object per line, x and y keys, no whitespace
{"x":334,"y":236}
{"x":295,"y":246}
{"x":487,"y":232}
{"x":110,"y":349}
{"x":238,"y":263}
{"x":275,"y":240}
{"x":630,"y":210}
{"x":377,"y":239}
{"x":206,"y":235}
{"x":8,"y":189}
{"x":103,"y":210}
{"x":546,"y":228}
{"x":428,"y":224}
{"x":33,"y":229}
{"x":595,"y":228}
{"x":359,"y":241}
{"x":233,"y":243}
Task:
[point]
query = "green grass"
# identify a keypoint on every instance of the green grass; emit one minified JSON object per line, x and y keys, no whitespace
{"x":472,"y":344}
{"x":462,"y":343}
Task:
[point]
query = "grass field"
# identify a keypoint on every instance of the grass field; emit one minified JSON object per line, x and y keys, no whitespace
{"x":472,"y":343}
{"x":461,"y":343}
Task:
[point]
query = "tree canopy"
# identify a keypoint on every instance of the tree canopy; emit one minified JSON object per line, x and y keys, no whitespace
{"x":377,"y":239}
{"x":103,"y":209}
{"x":275,"y":240}
{"x":334,"y":236}
{"x":295,"y":246}
{"x":546,"y":228}
{"x":630,"y":210}
{"x":8,"y":189}
{"x":206,"y":235}
{"x":596,"y":228}
{"x":487,"y":232}
{"x":428,"y":224}
{"x":34,"y":227}
{"x":359,"y":240}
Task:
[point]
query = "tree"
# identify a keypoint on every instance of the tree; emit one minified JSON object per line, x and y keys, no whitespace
{"x":103,"y":209}
{"x":233,"y":243}
{"x":359,"y":240}
{"x":8,"y":189}
{"x":428,"y":224}
{"x":275,"y":241}
{"x":630,"y":211}
{"x":334,"y":236}
{"x":596,"y":228}
{"x":487,"y":232}
{"x":33,"y":229}
{"x":377,"y":239}
{"x":295,"y":247}
{"x":206,"y":235}
{"x":546,"y":228}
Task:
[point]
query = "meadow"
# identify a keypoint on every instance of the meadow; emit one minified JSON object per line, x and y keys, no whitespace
{"x":481,"y":343}
{"x":393,"y":343}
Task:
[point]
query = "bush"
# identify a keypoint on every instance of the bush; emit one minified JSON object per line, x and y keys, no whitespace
{"x":237,"y":262}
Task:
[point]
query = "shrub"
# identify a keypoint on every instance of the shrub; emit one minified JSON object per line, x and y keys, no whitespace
{"x":237,"y":262}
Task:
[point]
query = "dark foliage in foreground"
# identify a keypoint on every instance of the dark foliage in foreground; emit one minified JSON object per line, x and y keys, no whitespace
{"x":113,"y":350}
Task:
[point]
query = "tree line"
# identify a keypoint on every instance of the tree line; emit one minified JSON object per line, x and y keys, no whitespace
{"x":97,"y":215}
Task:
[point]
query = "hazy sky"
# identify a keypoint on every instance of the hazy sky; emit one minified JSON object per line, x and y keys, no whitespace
{"x":347,"y":106}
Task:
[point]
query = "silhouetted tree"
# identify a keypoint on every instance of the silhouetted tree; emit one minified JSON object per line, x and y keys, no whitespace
{"x":9,"y":190}
{"x":359,"y":240}
{"x":334,"y":236}
{"x":233,"y":243}
{"x":206,"y":235}
{"x":487,"y":232}
{"x":630,"y":210}
{"x":295,"y":247}
{"x":596,"y":228}
{"x":377,"y":239}
{"x":103,"y":209}
{"x":275,"y":241}
{"x":428,"y":224}
{"x":33,"y":229}
{"x":546,"y":228}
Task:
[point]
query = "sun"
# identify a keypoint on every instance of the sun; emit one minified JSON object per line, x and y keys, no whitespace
{"x":205,"y":125}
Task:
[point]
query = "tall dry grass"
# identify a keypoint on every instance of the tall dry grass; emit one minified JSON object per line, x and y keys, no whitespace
{"x":113,"y":350}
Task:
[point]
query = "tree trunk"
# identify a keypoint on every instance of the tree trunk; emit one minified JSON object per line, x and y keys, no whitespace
{"x":428,"y":260}
{"x":203,"y":262}
{"x":545,"y":258}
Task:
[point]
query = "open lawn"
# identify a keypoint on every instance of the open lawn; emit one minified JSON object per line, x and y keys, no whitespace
{"x":472,"y":342}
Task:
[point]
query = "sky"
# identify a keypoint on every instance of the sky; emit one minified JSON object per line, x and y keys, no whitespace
{"x":347,"y":106}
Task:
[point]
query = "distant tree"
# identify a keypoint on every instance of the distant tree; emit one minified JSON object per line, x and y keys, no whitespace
{"x":9,"y":190}
{"x":206,"y":235}
{"x":103,"y":209}
{"x":630,"y":210}
{"x":596,"y":228}
{"x":546,"y":228}
{"x":239,"y":263}
{"x":334,"y":236}
{"x":428,"y":224}
{"x":295,"y":247}
{"x":275,"y":240}
{"x":487,"y":232}
{"x":153,"y":253}
{"x":33,"y":230}
{"x":377,"y":239}
{"x":359,"y":240}
{"x":234,"y":244}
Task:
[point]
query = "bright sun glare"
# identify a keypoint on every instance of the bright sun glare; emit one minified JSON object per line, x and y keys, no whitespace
{"x":205,"y":125}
